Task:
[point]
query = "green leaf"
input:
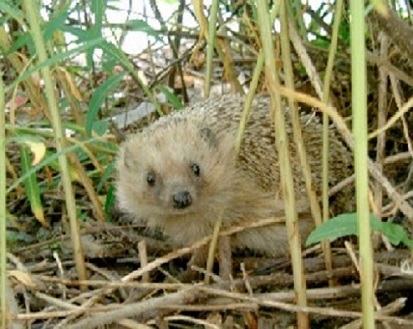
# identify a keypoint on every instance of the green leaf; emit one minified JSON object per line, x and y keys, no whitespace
{"x":23,"y":40}
{"x":112,"y":56}
{"x":396,"y":234}
{"x":114,"y":52}
{"x":98,"y":98}
{"x":47,"y":161}
{"x":100,"y":127}
{"x":172,"y":98}
{"x":81,"y":34}
{"x":346,"y":224}
{"x":53,"y":60}
{"x":322,"y":43}
{"x":12,"y":12}
{"x":110,"y":202}
{"x":95,"y":30}
{"x":56,"y":22}
{"x":342,"y":225}
{"x":31,"y":186}
{"x":110,"y":170}
{"x":142,"y":26}
{"x":21,"y":139}
{"x":97,"y":7}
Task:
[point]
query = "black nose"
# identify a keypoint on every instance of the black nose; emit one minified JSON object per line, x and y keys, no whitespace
{"x":182,"y":199}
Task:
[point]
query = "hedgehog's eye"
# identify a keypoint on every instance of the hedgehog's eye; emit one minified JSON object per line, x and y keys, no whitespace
{"x":151,"y":179}
{"x":195,"y":169}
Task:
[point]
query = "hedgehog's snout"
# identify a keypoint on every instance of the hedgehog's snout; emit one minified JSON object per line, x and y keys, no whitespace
{"x":181,"y":199}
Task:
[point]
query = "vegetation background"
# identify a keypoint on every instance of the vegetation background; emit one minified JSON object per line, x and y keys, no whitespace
{"x":71,"y":88}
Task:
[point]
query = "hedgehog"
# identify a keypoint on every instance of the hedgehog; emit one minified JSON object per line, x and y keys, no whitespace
{"x":182,"y":172}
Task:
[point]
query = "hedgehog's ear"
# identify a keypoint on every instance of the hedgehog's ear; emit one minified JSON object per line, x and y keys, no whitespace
{"x":209,"y":136}
{"x":126,"y":157}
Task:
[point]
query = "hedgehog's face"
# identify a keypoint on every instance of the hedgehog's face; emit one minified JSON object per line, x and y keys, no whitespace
{"x":175,"y":169}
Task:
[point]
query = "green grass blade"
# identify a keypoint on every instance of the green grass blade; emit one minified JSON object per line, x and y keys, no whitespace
{"x":53,"y":60}
{"x":98,"y":98}
{"x":31,"y":186}
{"x":13,"y":12}
{"x":46,"y":161}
